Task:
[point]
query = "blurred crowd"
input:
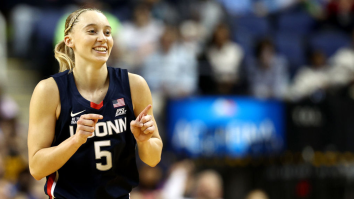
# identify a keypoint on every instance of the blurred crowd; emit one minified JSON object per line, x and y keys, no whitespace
{"x":269,"y":49}
{"x":283,"y":49}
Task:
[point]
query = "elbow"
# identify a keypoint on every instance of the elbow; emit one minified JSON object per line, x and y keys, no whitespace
{"x":153,"y":163}
{"x":154,"y":157}
{"x":35,"y":174}
{"x":37,"y":178}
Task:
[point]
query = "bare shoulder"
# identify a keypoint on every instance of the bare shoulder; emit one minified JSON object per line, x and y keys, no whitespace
{"x":46,"y":92}
{"x":137,"y":82}
{"x":47,"y":85}
{"x":47,"y":88}
{"x":140,"y":92}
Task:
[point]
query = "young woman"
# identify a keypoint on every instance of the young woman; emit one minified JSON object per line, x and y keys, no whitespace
{"x":79,"y":135}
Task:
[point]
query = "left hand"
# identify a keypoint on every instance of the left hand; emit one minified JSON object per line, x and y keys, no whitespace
{"x":144,"y":126}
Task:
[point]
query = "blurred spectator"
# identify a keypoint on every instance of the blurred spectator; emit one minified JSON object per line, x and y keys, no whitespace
{"x":8,"y":121}
{"x":343,"y":65}
{"x":310,"y":78}
{"x":180,"y":181}
{"x":2,"y":166}
{"x":150,"y":178}
{"x":23,"y":185}
{"x":8,"y":107}
{"x":257,"y":194}
{"x":210,"y":14}
{"x":36,"y":189}
{"x":316,"y":8}
{"x":259,"y":7}
{"x":171,"y":70}
{"x":5,"y":189}
{"x":192,"y":33}
{"x":206,"y":12}
{"x":268,"y":73}
{"x":225,"y":58}
{"x":162,"y":10}
{"x":209,"y":185}
{"x":340,"y":13}
{"x":240,"y":7}
{"x":3,"y":49}
{"x":13,"y":161}
{"x":264,"y":7}
{"x":21,"y":196}
{"x":9,"y":112}
{"x":23,"y":18}
{"x":137,"y":39}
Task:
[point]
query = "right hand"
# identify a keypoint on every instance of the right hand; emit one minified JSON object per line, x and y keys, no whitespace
{"x":86,"y":126}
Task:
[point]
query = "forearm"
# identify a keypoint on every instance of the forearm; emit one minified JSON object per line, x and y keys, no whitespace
{"x":150,"y":151}
{"x":48,"y":160}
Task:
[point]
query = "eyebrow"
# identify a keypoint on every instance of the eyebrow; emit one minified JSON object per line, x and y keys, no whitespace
{"x":92,"y":24}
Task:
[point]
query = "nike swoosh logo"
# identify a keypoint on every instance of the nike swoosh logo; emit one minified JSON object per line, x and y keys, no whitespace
{"x":75,"y":114}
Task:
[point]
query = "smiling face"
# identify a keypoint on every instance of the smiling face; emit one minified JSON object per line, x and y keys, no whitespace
{"x":90,"y":37}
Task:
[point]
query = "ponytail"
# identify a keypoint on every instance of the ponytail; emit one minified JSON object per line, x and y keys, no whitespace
{"x":65,"y":57}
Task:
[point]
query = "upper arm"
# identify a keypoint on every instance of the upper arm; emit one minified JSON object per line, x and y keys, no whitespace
{"x":42,"y":116}
{"x":141,"y":97}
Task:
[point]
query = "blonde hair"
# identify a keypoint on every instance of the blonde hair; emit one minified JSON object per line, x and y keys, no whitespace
{"x":63,"y":53}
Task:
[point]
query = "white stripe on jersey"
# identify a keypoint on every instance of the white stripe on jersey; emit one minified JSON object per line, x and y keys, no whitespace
{"x":54,"y":183}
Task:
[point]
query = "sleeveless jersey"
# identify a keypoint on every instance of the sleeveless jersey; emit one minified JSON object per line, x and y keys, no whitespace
{"x":104,"y":167}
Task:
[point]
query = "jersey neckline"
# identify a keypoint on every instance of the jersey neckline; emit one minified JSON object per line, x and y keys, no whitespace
{"x":88,"y":104}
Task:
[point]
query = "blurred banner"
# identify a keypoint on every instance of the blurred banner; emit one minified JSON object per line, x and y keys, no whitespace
{"x":226,"y":127}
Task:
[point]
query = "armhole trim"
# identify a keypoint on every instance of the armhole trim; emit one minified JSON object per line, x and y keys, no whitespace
{"x":127,"y":90}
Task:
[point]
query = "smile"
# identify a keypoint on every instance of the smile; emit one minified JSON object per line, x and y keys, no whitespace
{"x":100,"y":49}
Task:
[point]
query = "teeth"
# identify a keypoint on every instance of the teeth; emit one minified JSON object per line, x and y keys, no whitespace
{"x":101,"y":49}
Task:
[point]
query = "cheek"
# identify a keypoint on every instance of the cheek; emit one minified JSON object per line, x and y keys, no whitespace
{"x":110,"y":42}
{"x":85,"y":43}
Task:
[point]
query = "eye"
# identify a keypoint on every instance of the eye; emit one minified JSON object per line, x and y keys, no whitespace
{"x":91,"y":31}
{"x":108,"y":32}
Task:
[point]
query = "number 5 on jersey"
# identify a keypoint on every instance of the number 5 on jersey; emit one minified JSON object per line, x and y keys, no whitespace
{"x":99,"y":154}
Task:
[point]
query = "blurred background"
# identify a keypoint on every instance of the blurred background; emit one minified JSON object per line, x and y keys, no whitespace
{"x":254,"y":99}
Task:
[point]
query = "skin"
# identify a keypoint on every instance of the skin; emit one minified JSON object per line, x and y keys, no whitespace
{"x":91,"y":78}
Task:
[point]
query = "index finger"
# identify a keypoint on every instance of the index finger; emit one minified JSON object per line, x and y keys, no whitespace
{"x":144,"y":112}
{"x":92,"y":116}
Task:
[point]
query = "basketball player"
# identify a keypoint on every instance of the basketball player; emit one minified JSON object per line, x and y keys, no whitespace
{"x":86,"y":121}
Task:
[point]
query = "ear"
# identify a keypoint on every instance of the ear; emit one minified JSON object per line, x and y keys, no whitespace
{"x":68,"y":41}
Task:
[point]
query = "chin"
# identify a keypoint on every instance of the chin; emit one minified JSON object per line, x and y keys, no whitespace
{"x":100,"y":59}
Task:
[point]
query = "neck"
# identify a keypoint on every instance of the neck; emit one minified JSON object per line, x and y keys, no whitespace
{"x":90,"y":77}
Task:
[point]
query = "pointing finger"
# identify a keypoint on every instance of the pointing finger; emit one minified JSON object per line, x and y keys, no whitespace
{"x":144,"y":112}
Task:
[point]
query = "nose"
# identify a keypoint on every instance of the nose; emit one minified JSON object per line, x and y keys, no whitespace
{"x":102,"y":37}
